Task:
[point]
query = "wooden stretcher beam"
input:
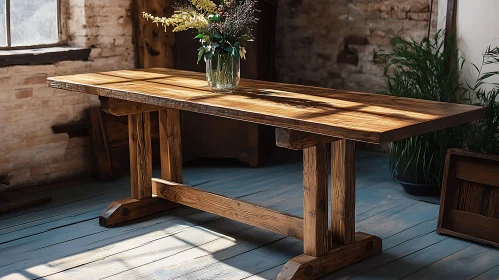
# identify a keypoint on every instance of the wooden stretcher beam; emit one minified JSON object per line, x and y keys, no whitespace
{"x":299,"y":140}
{"x":248,"y":213}
{"x":119,"y":107}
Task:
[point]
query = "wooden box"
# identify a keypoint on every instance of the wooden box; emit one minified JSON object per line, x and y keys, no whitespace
{"x":469,"y":205}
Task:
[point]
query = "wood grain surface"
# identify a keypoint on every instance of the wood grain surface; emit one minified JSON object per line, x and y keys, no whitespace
{"x":170,"y":145}
{"x":128,"y":209}
{"x":352,"y":115}
{"x":469,"y":205}
{"x":308,"y":267}
{"x":343,"y":191}
{"x":315,"y":208}
{"x":153,"y":47}
{"x":119,"y":107}
{"x":238,"y":210}
{"x":299,"y":140}
{"x":62,"y":240}
{"x":139,"y":131}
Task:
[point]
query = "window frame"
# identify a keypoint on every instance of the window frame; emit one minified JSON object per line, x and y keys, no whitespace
{"x":60,"y":30}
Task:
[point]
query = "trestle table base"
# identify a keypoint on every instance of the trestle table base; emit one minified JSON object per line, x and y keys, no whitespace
{"x":325,"y":250}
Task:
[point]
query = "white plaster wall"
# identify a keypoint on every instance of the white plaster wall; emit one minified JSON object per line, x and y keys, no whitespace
{"x":477,"y":28}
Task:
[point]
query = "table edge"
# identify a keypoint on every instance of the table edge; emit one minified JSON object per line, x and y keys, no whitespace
{"x":327,"y":130}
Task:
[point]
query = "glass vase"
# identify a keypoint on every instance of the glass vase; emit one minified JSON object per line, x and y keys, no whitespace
{"x":223,"y":72}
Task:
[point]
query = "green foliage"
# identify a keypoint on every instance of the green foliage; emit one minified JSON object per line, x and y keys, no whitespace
{"x":483,"y":136}
{"x":218,"y":44}
{"x":223,"y":28}
{"x":420,"y":70}
{"x":229,"y":28}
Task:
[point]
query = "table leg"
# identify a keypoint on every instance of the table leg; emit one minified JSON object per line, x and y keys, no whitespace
{"x":171,"y":145}
{"x":345,"y":246}
{"x":139,"y":141}
{"x":343,"y":191}
{"x":141,"y":202}
{"x":315,"y":224}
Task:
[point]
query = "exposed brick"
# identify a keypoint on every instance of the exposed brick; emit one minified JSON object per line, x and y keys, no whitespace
{"x":43,"y":92}
{"x":35,"y":79}
{"x":402,"y":6}
{"x":95,"y":52}
{"x":307,"y":54}
{"x":419,"y":16}
{"x":398,"y":14}
{"x":44,"y":69}
{"x":384,"y":7}
{"x":6,"y":96}
{"x":50,"y":102}
{"x":366,"y":53}
{"x":30,"y":153}
{"x":12,"y":106}
{"x":379,"y":33}
{"x":421,"y":6}
{"x":24,"y":93}
{"x":6,"y":81}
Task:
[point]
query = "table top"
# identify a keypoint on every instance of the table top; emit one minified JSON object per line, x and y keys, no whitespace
{"x":357,"y":116}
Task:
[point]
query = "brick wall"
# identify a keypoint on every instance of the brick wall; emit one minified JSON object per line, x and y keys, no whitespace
{"x":29,"y":152}
{"x":326,"y":43}
{"x":334,"y":43}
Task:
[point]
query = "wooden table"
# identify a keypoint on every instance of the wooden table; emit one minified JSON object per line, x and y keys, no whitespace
{"x":306,"y":118}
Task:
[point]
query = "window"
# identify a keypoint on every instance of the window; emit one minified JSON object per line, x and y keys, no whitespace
{"x":29,"y":23}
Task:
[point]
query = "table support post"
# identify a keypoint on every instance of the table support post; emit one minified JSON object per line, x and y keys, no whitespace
{"x":315,"y":210}
{"x":343,"y":192}
{"x":141,"y":202}
{"x":346,"y":247}
{"x":170,"y":145}
{"x":139,"y":141}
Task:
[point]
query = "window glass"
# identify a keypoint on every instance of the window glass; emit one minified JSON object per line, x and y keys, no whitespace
{"x":3,"y":25}
{"x":33,"y":22}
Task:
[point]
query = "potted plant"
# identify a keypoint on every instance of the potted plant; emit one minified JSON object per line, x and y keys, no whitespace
{"x":482,"y":136}
{"x":420,"y":70}
{"x":223,"y":31}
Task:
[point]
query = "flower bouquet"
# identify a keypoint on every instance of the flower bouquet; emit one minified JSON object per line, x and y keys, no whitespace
{"x":223,"y":31}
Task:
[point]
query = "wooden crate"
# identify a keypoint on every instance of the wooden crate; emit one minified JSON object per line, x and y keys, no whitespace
{"x":469,"y":205}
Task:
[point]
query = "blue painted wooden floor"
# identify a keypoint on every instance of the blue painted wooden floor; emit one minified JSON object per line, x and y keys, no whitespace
{"x":62,"y":240}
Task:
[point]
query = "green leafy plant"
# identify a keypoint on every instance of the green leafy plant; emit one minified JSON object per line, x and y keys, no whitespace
{"x":483,"y":136}
{"x":421,"y":70}
{"x":223,"y":29}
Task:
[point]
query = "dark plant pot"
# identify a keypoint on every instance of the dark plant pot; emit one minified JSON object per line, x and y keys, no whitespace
{"x":418,"y":189}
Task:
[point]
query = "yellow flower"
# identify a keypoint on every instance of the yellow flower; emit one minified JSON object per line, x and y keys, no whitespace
{"x":242,"y":52}
{"x":180,"y":20}
{"x":204,"y":5}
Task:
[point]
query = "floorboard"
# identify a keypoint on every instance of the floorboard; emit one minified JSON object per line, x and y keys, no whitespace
{"x":62,"y":239}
